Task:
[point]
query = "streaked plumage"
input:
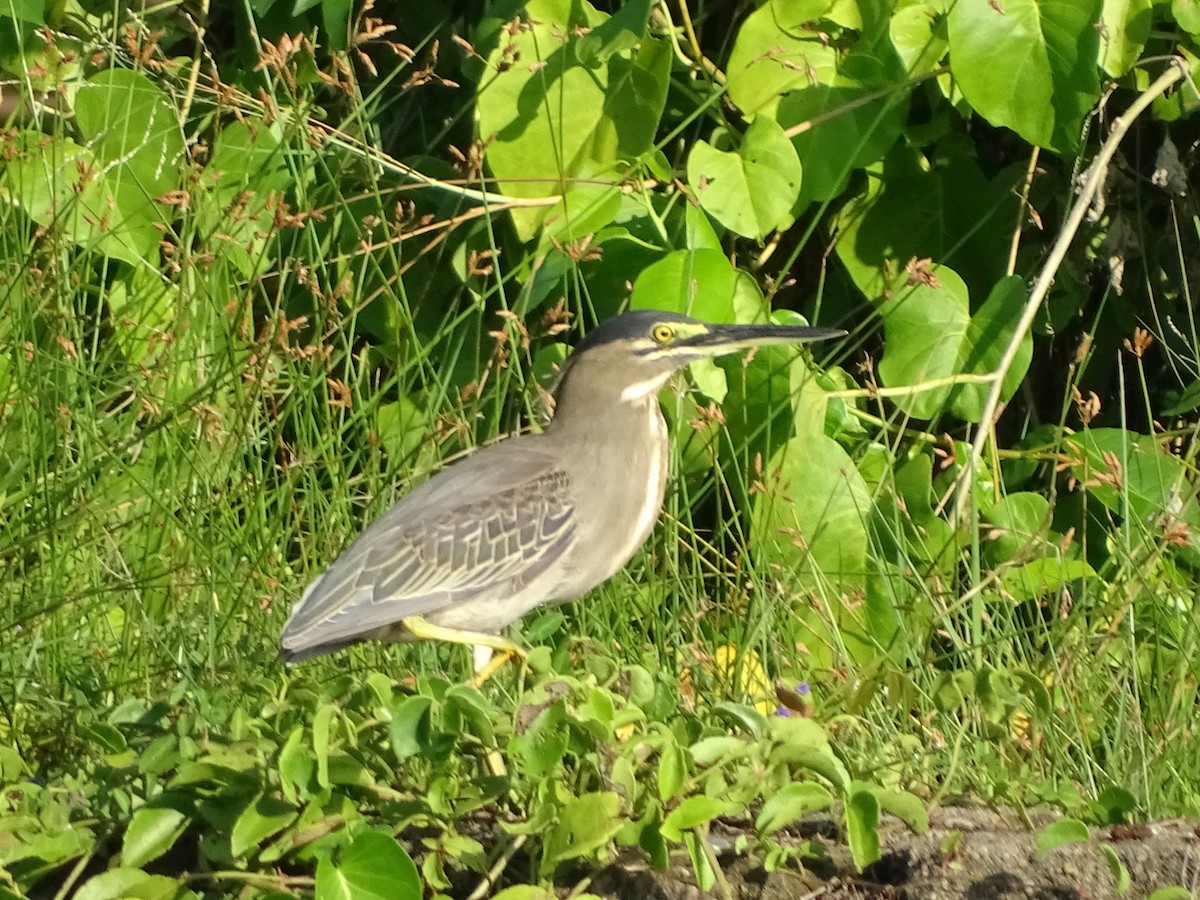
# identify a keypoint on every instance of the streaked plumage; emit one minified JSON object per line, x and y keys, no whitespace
{"x":534,"y":519}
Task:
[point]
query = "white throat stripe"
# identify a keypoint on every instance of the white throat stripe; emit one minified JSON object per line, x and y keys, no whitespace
{"x":644,"y":389}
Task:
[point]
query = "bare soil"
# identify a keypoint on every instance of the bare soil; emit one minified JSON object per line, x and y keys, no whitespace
{"x":994,"y":857}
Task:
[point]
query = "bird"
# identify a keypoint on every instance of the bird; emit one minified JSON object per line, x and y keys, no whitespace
{"x":533,"y":519}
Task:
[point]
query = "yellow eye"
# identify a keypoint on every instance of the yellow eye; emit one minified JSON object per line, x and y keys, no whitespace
{"x":663,"y":333}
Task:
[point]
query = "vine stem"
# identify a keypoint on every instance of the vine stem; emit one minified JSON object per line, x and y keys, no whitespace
{"x":1095,"y":180}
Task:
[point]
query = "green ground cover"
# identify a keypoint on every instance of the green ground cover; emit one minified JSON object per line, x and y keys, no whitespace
{"x":264,"y":266}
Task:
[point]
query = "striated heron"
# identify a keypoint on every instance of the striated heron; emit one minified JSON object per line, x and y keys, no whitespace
{"x":531,"y":520}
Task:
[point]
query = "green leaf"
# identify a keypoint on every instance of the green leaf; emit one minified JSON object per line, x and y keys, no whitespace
{"x":789,"y":803}
{"x":260,"y":820}
{"x":12,"y":766}
{"x":741,"y":716}
{"x":1132,"y":476}
{"x":132,"y":128}
{"x":1064,"y":831}
{"x":1187,"y":15}
{"x":128,"y":120}
{"x":934,"y":205}
{"x":918,"y":37}
{"x":621,"y":31}
{"x":409,"y":728}
{"x":152,"y":832}
{"x":751,"y":191}
{"x":904,"y":806}
{"x":320,"y":731}
{"x":557,"y":114}
{"x":159,"y":757}
{"x":335,"y":16}
{"x":373,"y":867}
{"x":247,"y":165}
{"x":585,"y":824}
{"x":988,"y":335}
{"x":295,"y":765}
{"x":525,"y":892}
{"x":1034,"y":690}
{"x":128,"y":884}
{"x":692,"y":812}
{"x":1171,"y":893}
{"x":811,"y":518}
{"x":804,"y":743}
{"x":1029,"y":65}
{"x":31,"y":11}
{"x":404,"y":428}
{"x":924,"y":330}
{"x":543,"y":744}
{"x":1043,"y":577}
{"x":108,"y":738}
{"x":1183,"y":401}
{"x":672,"y":768}
{"x":1021,"y":518}
{"x":59,"y":183}
{"x":706,"y":878}
{"x":1115,"y":804}
{"x":245,"y":153}
{"x":1125,"y":32}
{"x":475,"y":710}
{"x":862,"y":828}
{"x":931,"y":337}
{"x":856,"y":126}
{"x":650,"y":839}
{"x":700,"y":283}
{"x":711,"y":750}
{"x":779,"y":48}
{"x":1120,"y":874}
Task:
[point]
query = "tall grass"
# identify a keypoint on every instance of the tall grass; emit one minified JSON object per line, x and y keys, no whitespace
{"x":184,"y":450}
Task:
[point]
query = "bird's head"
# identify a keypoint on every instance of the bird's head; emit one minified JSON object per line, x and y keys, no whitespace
{"x":635,"y":353}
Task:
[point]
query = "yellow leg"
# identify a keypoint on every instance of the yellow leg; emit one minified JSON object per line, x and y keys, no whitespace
{"x":505,"y":649}
{"x":419,"y":627}
{"x":493,"y":666}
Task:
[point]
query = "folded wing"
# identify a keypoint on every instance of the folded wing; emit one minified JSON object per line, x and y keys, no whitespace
{"x":487,"y":527}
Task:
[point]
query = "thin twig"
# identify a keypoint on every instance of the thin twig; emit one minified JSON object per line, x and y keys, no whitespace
{"x":1095,"y":180}
{"x":483,"y":889}
{"x":1016,"y":238}
{"x":693,"y":45}
{"x":200,"y":24}
{"x":330,"y":135}
{"x":808,"y":124}
{"x":910,"y":390}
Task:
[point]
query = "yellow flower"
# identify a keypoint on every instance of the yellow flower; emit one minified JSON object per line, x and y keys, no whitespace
{"x":744,"y":671}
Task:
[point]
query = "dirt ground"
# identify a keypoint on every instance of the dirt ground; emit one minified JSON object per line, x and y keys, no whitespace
{"x":994,"y":857}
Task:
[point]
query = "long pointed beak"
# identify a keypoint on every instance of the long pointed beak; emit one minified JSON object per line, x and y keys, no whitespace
{"x":721,"y":339}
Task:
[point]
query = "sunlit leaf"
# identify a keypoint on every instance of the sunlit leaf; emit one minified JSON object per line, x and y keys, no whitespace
{"x":692,"y":812}
{"x":862,"y":828}
{"x":373,"y":867}
{"x":752,"y":189}
{"x":1029,"y":65}
{"x":789,"y":803}
{"x":1056,"y":834}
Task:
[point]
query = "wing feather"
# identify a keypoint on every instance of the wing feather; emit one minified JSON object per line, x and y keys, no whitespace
{"x":485,"y":527}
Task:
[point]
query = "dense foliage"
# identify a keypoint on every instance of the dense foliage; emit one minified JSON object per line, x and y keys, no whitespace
{"x":263,"y":265}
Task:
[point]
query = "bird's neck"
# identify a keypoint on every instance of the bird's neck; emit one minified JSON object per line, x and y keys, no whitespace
{"x":618,"y":416}
{"x":617,"y":443}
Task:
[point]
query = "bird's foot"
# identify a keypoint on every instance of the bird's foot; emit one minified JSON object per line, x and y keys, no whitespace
{"x":494,"y":664}
{"x":485,"y":664}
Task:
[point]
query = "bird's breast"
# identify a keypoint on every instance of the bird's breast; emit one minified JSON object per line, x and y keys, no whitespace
{"x":635,"y":496}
